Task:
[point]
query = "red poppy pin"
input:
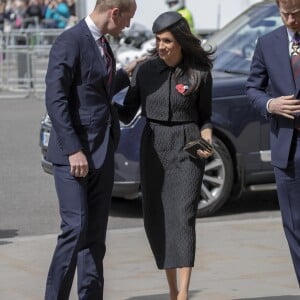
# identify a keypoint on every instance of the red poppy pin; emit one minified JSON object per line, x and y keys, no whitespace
{"x":181,"y":88}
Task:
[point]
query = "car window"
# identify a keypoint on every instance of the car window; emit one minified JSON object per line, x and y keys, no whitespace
{"x":235,"y":43}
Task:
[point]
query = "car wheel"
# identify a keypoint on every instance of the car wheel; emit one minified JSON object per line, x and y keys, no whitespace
{"x":217,"y":180}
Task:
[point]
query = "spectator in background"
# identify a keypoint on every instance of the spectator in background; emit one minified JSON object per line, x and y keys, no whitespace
{"x":8,"y":15}
{"x":179,"y":6}
{"x":33,"y":14}
{"x":44,"y":6}
{"x":2,"y":14}
{"x":72,"y":7}
{"x":57,"y":14}
{"x":17,"y":13}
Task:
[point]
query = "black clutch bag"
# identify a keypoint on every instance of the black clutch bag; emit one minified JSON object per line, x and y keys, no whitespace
{"x":199,"y":144}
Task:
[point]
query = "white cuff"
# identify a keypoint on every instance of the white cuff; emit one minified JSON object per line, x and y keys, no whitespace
{"x":267,"y":106}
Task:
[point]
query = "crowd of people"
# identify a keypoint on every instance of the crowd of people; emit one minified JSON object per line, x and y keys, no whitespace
{"x":16,"y":14}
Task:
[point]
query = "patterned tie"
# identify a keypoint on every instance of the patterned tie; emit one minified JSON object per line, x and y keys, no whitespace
{"x":107,"y":57}
{"x":295,"y":61}
{"x":295,"y":55}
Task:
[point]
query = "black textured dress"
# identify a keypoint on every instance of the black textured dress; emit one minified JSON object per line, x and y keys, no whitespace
{"x":171,"y":179}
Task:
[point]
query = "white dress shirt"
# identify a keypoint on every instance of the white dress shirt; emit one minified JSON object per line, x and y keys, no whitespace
{"x":94,"y":31}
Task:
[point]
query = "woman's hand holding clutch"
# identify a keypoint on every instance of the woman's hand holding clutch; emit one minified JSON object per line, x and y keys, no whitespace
{"x":199,"y":148}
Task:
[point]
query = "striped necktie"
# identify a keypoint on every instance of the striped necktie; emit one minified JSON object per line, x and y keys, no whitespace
{"x":295,"y":55}
{"x":295,"y":62}
{"x":107,"y":57}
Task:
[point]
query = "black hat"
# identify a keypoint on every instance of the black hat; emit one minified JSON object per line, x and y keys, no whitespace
{"x":165,"y":20}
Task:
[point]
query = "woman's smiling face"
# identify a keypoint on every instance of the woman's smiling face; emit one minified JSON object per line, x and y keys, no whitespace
{"x":168,"y":48}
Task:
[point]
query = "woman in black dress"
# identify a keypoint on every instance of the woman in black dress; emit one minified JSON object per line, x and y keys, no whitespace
{"x":173,"y":87}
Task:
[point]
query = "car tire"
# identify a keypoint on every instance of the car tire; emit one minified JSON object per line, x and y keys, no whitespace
{"x":217,"y":180}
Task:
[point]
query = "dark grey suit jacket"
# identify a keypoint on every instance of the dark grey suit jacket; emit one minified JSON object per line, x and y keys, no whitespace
{"x":78,"y":98}
{"x":271,"y":76}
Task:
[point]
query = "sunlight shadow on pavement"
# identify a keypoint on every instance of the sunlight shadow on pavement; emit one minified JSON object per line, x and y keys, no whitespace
{"x":5,"y":234}
{"x":161,"y":297}
{"x":273,"y":298}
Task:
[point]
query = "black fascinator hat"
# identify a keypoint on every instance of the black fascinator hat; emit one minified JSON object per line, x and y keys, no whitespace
{"x":165,"y":20}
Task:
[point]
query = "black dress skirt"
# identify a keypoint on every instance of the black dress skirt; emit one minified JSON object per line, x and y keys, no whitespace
{"x":171,"y":185}
{"x":171,"y":179}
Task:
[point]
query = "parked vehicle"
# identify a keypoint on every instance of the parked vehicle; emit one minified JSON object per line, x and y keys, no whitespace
{"x":241,"y":157}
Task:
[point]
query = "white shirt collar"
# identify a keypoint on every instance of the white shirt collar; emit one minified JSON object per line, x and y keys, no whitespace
{"x":93,"y":28}
{"x":291,"y":35}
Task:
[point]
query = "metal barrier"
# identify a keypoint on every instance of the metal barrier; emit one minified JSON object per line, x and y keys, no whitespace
{"x":24,"y":59}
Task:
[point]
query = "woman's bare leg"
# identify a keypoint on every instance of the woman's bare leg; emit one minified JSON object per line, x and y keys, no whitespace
{"x":184,"y":283}
{"x":172,"y":281}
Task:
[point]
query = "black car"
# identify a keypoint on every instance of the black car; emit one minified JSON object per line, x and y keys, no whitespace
{"x":242,"y":155}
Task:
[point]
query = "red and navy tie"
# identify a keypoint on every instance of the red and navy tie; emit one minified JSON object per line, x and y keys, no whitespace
{"x":107,"y":57}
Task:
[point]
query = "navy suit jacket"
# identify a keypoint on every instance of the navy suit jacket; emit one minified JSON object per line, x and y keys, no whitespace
{"x":271,"y":76}
{"x":78,"y":98}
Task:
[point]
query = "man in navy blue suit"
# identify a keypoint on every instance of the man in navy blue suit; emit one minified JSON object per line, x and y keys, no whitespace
{"x":80,"y":82}
{"x":273,"y":87}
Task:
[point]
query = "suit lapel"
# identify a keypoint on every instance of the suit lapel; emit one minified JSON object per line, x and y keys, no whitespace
{"x":99,"y":58}
{"x":283,"y":55}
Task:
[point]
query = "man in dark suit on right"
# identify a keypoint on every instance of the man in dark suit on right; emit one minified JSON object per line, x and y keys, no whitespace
{"x":273,"y":88}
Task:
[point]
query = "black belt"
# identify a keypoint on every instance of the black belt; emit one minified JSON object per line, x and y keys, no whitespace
{"x":169,"y":123}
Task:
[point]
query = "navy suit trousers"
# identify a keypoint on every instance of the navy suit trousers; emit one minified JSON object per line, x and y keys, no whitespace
{"x":84,"y":205}
{"x":288,"y":189}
